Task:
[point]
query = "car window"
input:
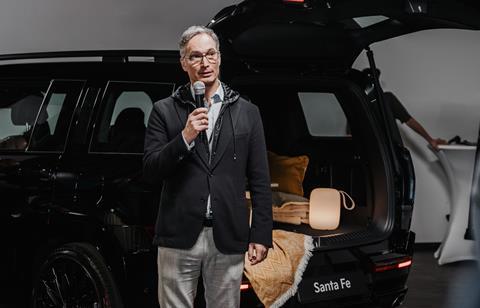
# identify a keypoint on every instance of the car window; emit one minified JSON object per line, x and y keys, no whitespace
{"x":324,"y":115}
{"x":122,"y":122}
{"x":53,"y":123}
{"x":19,"y":106}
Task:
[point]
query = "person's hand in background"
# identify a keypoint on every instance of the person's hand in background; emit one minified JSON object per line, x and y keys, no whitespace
{"x":435,"y":142}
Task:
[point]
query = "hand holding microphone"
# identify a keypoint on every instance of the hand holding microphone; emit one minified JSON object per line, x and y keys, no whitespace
{"x":197,"y":121}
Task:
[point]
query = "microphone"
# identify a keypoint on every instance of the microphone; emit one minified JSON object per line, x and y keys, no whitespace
{"x":199,"y":90}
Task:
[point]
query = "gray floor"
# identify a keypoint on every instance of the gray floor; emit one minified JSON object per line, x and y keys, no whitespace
{"x":453,"y":285}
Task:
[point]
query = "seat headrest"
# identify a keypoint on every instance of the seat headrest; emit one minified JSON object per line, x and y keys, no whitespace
{"x":128,"y":132}
{"x":26,"y":109}
{"x":132,"y":117}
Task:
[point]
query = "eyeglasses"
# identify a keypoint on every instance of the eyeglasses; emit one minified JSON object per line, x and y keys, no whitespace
{"x":196,"y":58}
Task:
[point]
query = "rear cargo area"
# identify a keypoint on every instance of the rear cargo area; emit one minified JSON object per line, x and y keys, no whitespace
{"x":329,"y":123}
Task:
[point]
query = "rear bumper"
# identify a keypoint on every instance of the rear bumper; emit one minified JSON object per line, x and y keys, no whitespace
{"x":385,"y":289}
{"x":394,"y":298}
{"x":383,"y":265}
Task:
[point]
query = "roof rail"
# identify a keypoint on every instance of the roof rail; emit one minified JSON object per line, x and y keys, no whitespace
{"x":106,"y":55}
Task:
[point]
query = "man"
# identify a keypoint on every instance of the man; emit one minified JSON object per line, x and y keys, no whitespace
{"x":400,"y":113}
{"x":203,"y":221}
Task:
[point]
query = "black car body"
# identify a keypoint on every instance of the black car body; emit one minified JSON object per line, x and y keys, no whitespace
{"x":78,"y":216}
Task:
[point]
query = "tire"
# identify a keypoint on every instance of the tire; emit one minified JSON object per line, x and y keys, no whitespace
{"x":75,"y":276}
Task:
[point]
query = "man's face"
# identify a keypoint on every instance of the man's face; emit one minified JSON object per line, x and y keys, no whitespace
{"x":201,"y":60}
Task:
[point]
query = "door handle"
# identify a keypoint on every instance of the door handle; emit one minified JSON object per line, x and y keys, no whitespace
{"x":45,"y":175}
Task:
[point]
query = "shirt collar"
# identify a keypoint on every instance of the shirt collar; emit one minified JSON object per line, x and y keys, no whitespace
{"x":217,"y":97}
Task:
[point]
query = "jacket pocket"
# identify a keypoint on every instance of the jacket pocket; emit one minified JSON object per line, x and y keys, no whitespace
{"x":242,"y":218}
{"x":167,"y":216}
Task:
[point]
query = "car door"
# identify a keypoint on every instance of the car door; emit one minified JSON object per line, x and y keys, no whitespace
{"x":29,"y":158}
{"x":69,"y":171}
{"x":115,"y":151}
{"x":49,"y":138}
{"x":35,"y":152}
{"x":106,"y":169}
{"x":20,"y":101}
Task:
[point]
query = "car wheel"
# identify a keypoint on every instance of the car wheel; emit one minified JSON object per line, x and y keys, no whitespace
{"x":75,"y":275}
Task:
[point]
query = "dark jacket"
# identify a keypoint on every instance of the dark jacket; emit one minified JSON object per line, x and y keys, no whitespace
{"x":238,"y":153}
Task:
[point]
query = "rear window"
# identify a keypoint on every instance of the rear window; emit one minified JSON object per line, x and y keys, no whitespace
{"x":323,"y":114}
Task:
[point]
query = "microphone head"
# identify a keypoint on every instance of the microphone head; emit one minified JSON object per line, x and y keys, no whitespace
{"x":199,"y":88}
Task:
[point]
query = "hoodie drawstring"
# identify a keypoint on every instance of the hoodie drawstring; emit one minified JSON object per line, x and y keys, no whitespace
{"x":233,"y":135}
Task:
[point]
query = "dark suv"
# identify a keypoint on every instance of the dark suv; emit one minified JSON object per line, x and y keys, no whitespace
{"x":78,"y":217}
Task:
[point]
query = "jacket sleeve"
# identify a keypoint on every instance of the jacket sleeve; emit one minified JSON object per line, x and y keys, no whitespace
{"x":259,"y":182}
{"x":162,"y":154}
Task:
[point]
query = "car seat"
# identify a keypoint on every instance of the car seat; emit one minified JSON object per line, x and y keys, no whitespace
{"x":128,"y":133}
{"x":24,"y":113}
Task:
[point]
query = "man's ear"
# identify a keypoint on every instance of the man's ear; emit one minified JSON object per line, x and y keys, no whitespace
{"x":183,"y":63}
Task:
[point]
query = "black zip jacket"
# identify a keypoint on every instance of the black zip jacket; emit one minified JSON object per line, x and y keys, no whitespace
{"x":238,"y":154}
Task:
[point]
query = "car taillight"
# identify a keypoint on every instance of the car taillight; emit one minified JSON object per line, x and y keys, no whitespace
{"x":392,"y":265}
{"x":293,"y":1}
{"x":405,"y":264}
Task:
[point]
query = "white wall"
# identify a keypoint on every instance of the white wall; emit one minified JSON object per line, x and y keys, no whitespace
{"x":436,"y":75}
{"x":32,"y":25}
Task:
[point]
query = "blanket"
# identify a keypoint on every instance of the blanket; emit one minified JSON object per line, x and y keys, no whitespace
{"x":276,"y":279}
{"x":291,"y":212}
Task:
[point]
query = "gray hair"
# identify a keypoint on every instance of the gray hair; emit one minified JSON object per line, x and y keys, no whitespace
{"x":192,"y":31}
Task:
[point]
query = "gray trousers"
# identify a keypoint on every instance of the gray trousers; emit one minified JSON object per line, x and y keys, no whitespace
{"x":179,"y":270}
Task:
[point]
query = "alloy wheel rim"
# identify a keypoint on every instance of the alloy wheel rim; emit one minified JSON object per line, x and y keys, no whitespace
{"x":64,"y":282}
